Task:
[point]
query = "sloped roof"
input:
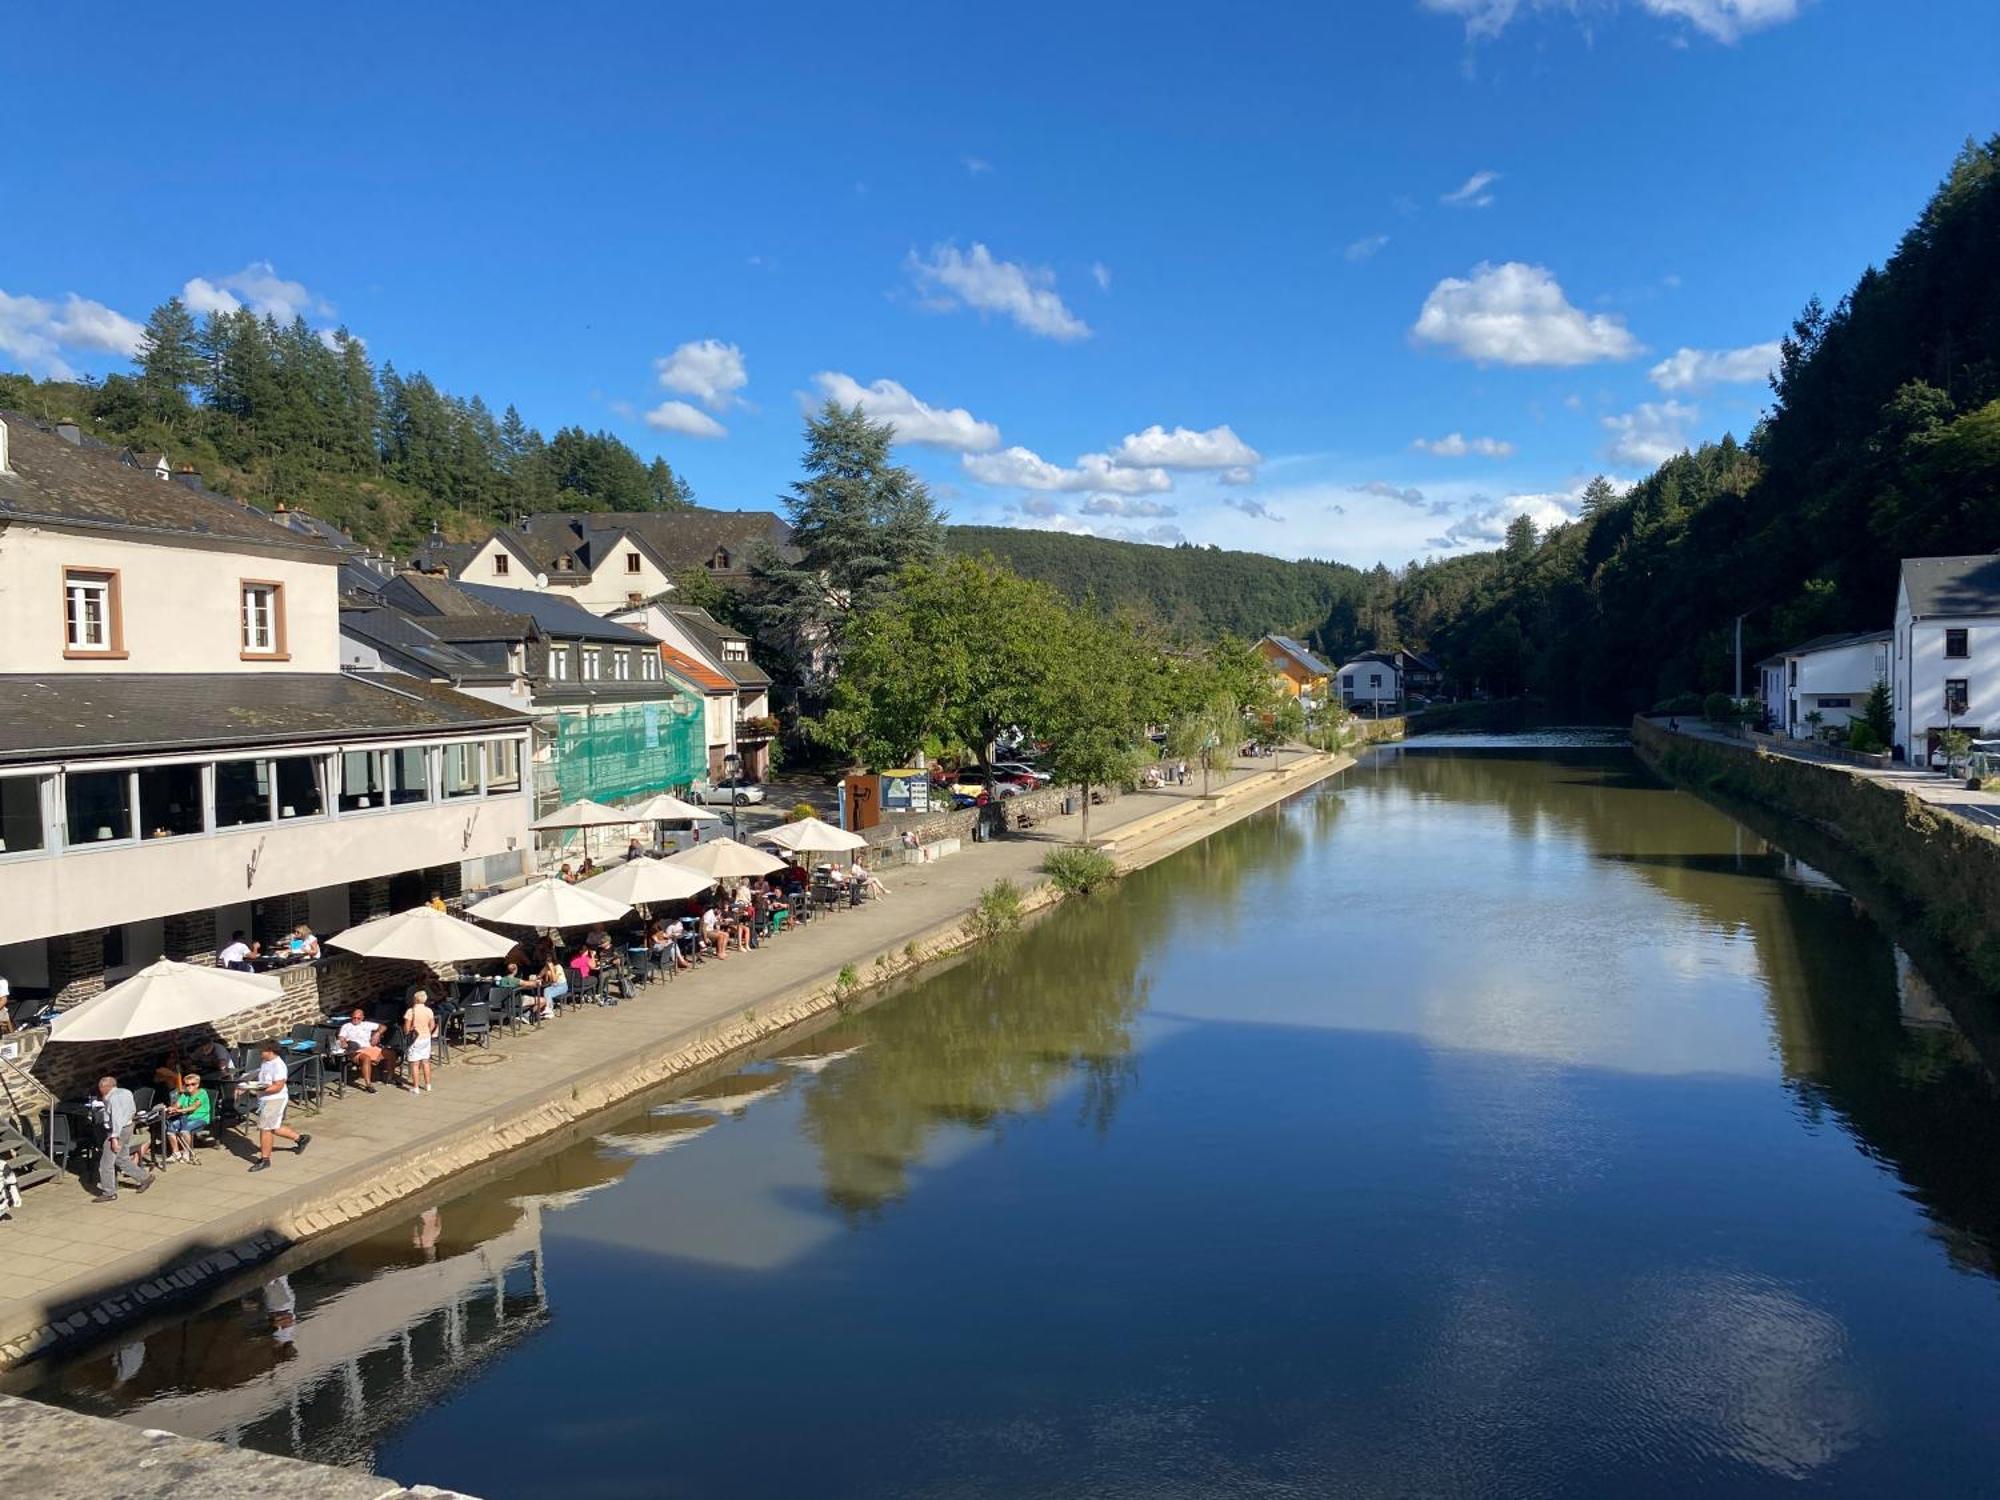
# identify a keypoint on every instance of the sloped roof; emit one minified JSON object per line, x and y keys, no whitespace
{"x":1301,"y":654}
{"x":554,"y":614}
{"x":107,"y":713}
{"x":1953,"y":585}
{"x":681,"y":538}
{"x":709,"y":633}
{"x":408,"y":643}
{"x":89,"y":485}
{"x":697,"y":672}
{"x":1836,"y":641}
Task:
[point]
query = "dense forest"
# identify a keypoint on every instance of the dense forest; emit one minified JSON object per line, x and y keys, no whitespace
{"x":269,"y":412}
{"x":1882,"y":442}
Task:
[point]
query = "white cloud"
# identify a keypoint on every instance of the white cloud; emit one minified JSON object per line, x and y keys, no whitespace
{"x":1250,"y":505}
{"x":688,"y":421}
{"x":1698,"y":369}
{"x":1650,"y":434}
{"x":36,"y":331}
{"x":1101,"y":274}
{"x":259,"y":287}
{"x":1516,"y":314}
{"x":1154,"y":536}
{"x":974,"y":279}
{"x":707,"y":369}
{"x":1022,"y":468}
{"x":1185,"y":448}
{"x":1366,"y":247}
{"x":1487,"y":526}
{"x":1474,"y":194}
{"x":1458,"y":445}
{"x":1243,"y":474}
{"x":1724,"y":20}
{"x":915,"y":421}
{"x":1119,"y":505}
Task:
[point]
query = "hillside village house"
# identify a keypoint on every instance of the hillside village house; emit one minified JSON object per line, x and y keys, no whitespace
{"x":1945,"y":656}
{"x":612,"y":724}
{"x":1830,"y":675}
{"x":1296,"y":669}
{"x":738,"y":720}
{"x":180,"y":753}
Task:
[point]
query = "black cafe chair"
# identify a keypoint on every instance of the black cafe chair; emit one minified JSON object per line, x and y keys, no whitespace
{"x":475,"y":1023}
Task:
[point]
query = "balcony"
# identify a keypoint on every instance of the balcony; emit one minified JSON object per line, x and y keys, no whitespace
{"x":757,"y":730}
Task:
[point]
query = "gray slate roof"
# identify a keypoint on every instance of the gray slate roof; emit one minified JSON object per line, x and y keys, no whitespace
{"x":1299,"y":652}
{"x":683,"y":538}
{"x":1953,"y":585}
{"x":554,"y":614}
{"x":108,"y":713}
{"x":408,"y":645}
{"x":709,"y":633}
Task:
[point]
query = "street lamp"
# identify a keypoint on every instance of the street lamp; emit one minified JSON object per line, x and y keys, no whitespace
{"x":732,"y":766}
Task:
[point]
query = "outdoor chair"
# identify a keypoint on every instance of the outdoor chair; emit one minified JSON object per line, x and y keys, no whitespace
{"x":475,"y":1023}
{"x":588,"y":991}
{"x":62,"y":1140}
{"x":326,"y":1042}
{"x":306,"y":1083}
{"x":508,"y":1013}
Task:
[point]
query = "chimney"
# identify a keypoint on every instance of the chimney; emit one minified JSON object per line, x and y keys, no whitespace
{"x":186,"y":475}
{"x":279,"y":508}
{"x":69,"y":432}
{"x":520,"y":523}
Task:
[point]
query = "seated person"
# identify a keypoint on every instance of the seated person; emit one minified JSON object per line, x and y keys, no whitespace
{"x":566,"y":874}
{"x":235,"y":953}
{"x":187,"y":1111}
{"x":551,"y":985}
{"x":508,"y":978}
{"x":739,"y":920}
{"x":713,"y":933}
{"x":634,"y":849}
{"x":361,"y":1039}
{"x":582,"y":965}
{"x":302,"y":944}
{"x":436,"y":903}
{"x":597,"y":937}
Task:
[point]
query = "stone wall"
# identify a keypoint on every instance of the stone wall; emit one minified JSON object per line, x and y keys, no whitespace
{"x":958,"y":823}
{"x":1943,"y":868}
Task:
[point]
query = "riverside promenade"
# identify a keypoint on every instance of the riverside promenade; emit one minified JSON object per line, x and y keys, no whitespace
{"x":71,"y":1269}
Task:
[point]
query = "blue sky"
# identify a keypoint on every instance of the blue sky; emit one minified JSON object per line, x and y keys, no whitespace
{"x":1163,"y":271}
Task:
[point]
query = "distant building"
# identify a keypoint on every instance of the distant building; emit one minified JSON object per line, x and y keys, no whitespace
{"x":1296,"y":668}
{"x":1379,"y":681}
{"x":1945,"y":653}
{"x":738,"y":718}
{"x":1829,"y":675}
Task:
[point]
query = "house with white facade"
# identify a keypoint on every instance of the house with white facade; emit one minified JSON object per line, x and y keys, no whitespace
{"x":1829,"y":675}
{"x":1945,"y":653}
{"x":737,"y":691}
{"x":1372,"y":683}
{"x":181,"y":754}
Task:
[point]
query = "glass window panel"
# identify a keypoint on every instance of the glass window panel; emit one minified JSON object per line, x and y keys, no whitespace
{"x":301,"y":786}
{"x":169,"y":801}
{"x":409,"y":775}
{"x":87,"y":611}
{"x":21,"y":815}
{"x":361,"y":780}
{"x":461,"y":770}
{"x":98,"y":805}
{"x":242,"y":793}
{"x":503,"y":765}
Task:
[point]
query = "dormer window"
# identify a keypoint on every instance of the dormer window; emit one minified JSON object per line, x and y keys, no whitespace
{"x":562,"y":564}
{"x":735,"y":651}
{"x":721,"y":558}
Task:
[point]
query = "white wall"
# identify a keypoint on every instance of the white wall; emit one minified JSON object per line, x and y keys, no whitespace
{"x":519,"y":575}
{"x":181,"y":606}
{"x":1922,"y":669}
{"x":610,"y":587}
{"x":1849,"y":672}
{"x":1390,"y":690}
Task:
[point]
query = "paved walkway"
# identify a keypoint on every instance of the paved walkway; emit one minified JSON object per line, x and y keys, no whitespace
{"x":61,"y":1249}
{"x":1947,"y":793}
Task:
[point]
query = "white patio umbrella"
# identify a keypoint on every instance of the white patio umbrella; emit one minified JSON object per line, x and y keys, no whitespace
{"x":644,"y":881}
{"x":725,"y":859}
{"x":425,"y":934}
{"x":667,"y":808}
{"x":550,"y":903}
{"x":813,"y":836}
{"x":164,"y":996}
{"x":583,"y":813}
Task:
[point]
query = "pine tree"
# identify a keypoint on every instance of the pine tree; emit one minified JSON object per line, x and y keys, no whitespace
{"x":170,"y":363}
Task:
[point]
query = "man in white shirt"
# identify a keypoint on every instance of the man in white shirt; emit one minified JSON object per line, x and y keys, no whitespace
{"x":235,"y":953}
{"x":273,"y":1093}
{"x":361,"y":1039}
{"x":116,"y":1155}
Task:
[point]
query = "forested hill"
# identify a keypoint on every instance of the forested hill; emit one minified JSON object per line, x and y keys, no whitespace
{"x":1883,"y":442}
{"x":1202,"y":590}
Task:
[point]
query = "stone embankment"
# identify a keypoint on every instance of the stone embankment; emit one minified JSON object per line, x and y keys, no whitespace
{"x":1944,"y":869}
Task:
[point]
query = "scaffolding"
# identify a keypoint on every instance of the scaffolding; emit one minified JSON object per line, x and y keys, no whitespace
{"x":618,"y":752}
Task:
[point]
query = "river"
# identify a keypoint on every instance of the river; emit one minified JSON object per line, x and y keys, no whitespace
{"x":1492,"y":1121}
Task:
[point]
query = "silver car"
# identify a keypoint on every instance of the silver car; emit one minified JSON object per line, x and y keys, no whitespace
{"x":732,"y":789}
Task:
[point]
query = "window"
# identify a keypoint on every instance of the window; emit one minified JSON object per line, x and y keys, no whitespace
{"x":621,"y":666}
{"x":361,"y":785}
{"x":1956,"y":645}
{"x":91,"y":621}
{"x":1836,"y":702}
{"x":409,"y":775}
{"x":735,"y":651}
{"x":631,"y":562}
{"x":1347,"y":681}
{"x":649,"y":666}
{"x":500,"y":565}
{"x":503,"y":766}
{"x":21,"y":815}
{"x":301,"y":786}
{"x":461,"y":769}
{"x":559,"y":664}
{"x":592,"y":665}
{"x":242,"y":793}
{"x":170,"y":801}
{"x":1955,"y":697}
{"x":98,"y":805}
{"x":1374,"y":679}
{"x":263,"y":618}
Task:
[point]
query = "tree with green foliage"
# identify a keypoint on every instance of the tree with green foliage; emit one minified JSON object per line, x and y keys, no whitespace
{"x":1094,"y":703}
{"x":170,"y":363}
{"x":1879,"y":713}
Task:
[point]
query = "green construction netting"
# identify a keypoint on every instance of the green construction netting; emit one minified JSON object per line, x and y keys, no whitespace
{"x":623,"y":751}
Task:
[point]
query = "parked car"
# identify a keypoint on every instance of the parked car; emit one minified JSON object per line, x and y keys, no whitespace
{"x":1017,"y":768}
{"x":967,"y":794}
{"x":732,"y":789}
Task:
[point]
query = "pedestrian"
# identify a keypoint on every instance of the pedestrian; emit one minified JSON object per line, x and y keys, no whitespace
{"x":420,"y":1023}
{"x":273,"y":1088}
{"x":116,"y":1155}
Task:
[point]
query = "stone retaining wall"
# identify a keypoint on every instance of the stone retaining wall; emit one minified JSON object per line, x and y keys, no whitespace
{"x":1946,"y":869}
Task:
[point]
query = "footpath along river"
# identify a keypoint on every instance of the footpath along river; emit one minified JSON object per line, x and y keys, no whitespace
{"x":1492,"y":1121}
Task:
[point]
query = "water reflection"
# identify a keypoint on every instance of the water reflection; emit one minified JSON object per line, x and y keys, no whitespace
{"x":1494,"y":1123}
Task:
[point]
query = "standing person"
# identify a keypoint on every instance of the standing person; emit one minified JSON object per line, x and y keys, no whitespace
{"x":420,"y":1021}
{"x":187,"y":1113}
{"x":361,"y":1039}
{"x":116,"y":1156}
{"x":273,"y":1088}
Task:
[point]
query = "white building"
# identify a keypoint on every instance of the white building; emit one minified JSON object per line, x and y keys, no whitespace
{"x":1945,"y":666}
{"x":1371,"y":683}
{"x":180,"y":753}
{"x":1830,"y":675}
